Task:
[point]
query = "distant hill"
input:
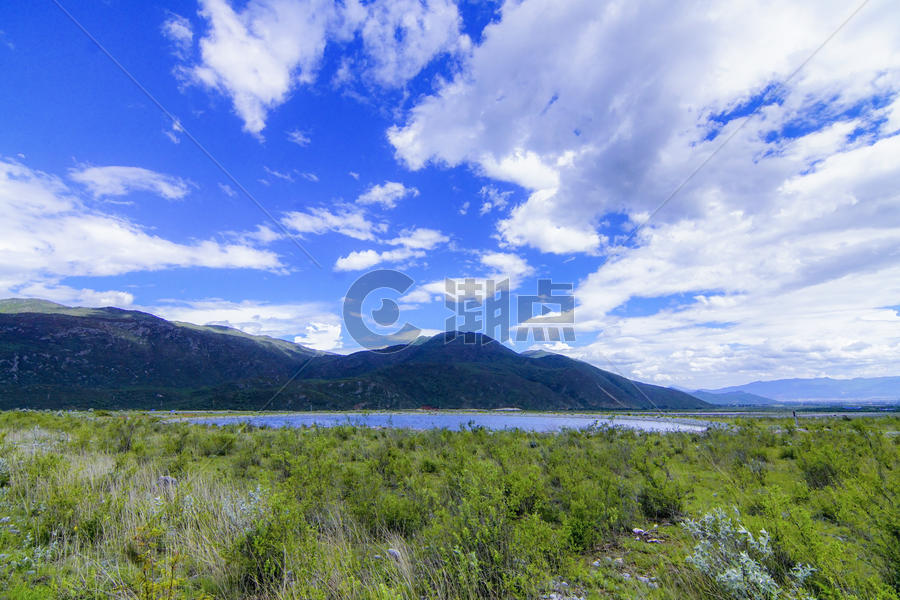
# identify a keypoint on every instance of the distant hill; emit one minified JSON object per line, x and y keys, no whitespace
{"x":823,"y":390}
{"x":53,"y":356}
{"x":732,"y":398}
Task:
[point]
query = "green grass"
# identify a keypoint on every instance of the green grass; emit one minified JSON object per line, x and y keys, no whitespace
{"x":384,"y":514}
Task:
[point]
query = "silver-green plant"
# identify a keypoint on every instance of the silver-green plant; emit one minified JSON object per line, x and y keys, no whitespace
{"x":735,"y":558}
{"x":4,"y":472}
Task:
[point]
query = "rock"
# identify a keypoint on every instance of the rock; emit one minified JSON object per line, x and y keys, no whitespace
{"x":643,"y":579}
{"x":166,"y":481}
{"x":378,"y":557}
{"x":394,"y":553}
{"x":596,"y":563}
{"x":619,"y":562}
{"x":637,"y":531}
{"x":626,"y":576}
{"x":4,"y":520}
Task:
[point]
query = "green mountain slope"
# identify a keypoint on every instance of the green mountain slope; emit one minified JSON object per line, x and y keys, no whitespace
{"x":53,"y":356}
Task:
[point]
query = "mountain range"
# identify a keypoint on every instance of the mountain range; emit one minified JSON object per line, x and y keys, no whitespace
{"x":53,"y":356}
{"x":822,"y":390}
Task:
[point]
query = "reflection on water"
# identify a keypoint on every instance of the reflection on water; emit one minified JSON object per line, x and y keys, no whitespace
{"x":455,"y":421}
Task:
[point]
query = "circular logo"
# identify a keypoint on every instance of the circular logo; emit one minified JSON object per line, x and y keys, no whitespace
{"x":386,"y":315}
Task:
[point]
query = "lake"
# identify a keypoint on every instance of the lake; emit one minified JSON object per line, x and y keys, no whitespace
{"x":537,"y":422}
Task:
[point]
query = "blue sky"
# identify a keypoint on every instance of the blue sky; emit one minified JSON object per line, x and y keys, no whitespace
{"x":476,"y":139}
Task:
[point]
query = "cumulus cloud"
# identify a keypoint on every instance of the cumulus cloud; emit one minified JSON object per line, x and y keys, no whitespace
{"x":49,"y":233}
{"x":387,"y":194}
{"x":321,"y":336}
{"x":800,"y":291}
{"x":506,"y":265}
{"x":259,"y":53}
{"x":776,"y":259}
{"x":121,"y":181}
{"x":412,"y":242}
{"x":349,"y":221}
{"x":400,"y":37}
{"x":365,"y":259}
{"x":310,"y":324}
{"x":615,"y":109}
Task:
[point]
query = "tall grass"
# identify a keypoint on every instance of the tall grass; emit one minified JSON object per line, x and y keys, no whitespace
{"x":377,"y":514}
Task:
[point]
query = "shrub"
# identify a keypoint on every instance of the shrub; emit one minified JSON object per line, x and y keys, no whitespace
{"x":736,"y":560}
{"x":4,"y":472}
{"x":661,"y":498}
{"x":819,"y":473}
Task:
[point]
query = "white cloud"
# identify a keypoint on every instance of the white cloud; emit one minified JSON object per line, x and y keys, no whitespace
{"x":387,"y":194}
{"x":279,"y":175}
{"x":611,"y":113}
{"x":263,"y":234}
{"x":354,"y":175}
{"x":174,"y":132}
{"x":506,"y":265}
{"x":799,"y":291}
{"x":229,"y":191}
{"x":539,"y":223}
{"x":412,"y":242}
{"x":310,"y":324}
{"x":365,"y":259}
{"x":417,"y":296}
{"x":400,"y":37}
{"x":310,"y":177}
{"x":492,"y":199}
{"x":120,"y":181}
{"x":70,"y":296}
{"x":348,"y":221}
{"x":180,"y":33}
{"x":776,"y":260}
{"x":464,"y":209}
{"x":48,"y":233}
{"x":298,"y":137}
{"x":420,"y":238}
{"x":321,"y":336}
{"x":5,"y":41}
{"x":259,"y":53}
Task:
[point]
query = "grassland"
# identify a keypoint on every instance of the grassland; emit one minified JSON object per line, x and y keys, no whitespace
{"x":123,"y":505}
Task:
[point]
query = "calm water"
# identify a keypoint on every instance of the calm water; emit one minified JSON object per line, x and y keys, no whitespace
{"x":456,"y":421}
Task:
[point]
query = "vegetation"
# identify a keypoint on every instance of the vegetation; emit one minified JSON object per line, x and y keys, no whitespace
{"x":124,"y":505}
